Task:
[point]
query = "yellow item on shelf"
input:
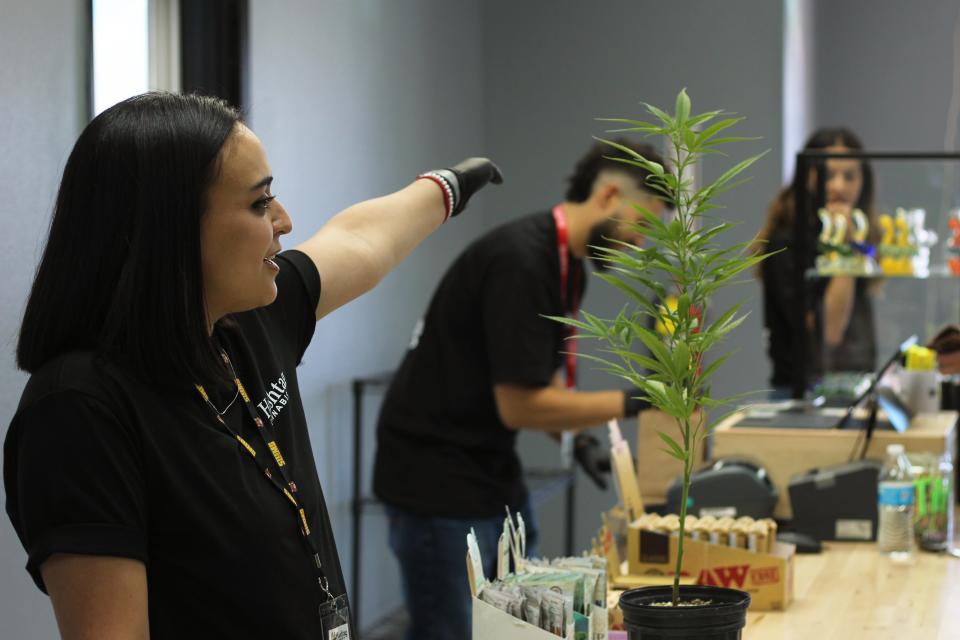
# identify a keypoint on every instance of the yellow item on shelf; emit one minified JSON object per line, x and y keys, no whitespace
{"x":888,"y":263}
{"x":921,"y":359}
{"x":904,"y":247}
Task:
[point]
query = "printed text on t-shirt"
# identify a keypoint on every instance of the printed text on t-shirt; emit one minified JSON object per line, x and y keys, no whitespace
{"x":276,"y":399}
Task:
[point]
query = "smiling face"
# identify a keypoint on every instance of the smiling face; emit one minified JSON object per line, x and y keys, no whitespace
{"x":240,"y":230}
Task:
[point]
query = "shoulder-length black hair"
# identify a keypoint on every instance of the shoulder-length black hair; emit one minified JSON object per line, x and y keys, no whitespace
{"x":121,"y":271}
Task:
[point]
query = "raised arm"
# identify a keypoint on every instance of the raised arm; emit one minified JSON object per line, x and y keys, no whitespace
{"x":363,"y":243}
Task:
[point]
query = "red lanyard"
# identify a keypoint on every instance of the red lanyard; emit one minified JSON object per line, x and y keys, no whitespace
{"x":563,"y":246}
{"x":287,"y":487}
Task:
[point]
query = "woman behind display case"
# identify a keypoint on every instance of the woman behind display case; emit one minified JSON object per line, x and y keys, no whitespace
{"x":837,"y":326}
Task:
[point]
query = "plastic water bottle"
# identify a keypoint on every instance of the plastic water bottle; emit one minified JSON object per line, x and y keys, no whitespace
{"x":895,"y":505}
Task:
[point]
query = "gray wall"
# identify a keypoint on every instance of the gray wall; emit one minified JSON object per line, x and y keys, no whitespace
{"x":892,"y":85}
{"x":351,"y":100}
{"x":41,"y":89}
{"x":553,"y":67}
{"x":894,"y":89}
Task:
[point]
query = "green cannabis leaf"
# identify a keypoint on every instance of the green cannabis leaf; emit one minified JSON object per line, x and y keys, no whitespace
{"x":686,"y":251}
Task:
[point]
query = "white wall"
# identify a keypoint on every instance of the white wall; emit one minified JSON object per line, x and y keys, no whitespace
{"x":354,"y":99}
{"x":41,"y":99}
{"x":798,"y":67}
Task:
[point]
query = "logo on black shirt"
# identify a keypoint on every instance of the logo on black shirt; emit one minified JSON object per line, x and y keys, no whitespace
{"x":276,"y":399}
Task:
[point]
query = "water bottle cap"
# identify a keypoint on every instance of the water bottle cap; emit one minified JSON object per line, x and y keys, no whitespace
{"x":894,"y":449}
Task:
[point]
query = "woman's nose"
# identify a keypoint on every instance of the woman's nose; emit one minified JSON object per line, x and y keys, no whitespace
{"x":282,"y":224}
{"x":835,"y":184}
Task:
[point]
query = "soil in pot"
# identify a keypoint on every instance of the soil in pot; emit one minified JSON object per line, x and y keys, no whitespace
{"x":646,"y":617}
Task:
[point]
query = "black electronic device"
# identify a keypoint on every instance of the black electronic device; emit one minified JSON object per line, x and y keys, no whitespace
{"x":838,"y":502}
{"x":804,"y":543}
{"x":728,"y":486}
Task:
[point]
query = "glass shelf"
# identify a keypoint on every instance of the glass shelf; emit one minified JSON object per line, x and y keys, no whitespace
{"x":933,"y":273}
{"x":922,"y":188}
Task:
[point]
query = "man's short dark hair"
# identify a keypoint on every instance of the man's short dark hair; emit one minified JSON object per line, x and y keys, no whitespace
{"x":600,"y":158}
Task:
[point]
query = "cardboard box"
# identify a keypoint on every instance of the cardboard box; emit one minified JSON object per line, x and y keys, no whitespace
{"x":611,"y":543}
{"x":656,"y":469}
{"x":767,"y":577}
{"x":489,"y":623}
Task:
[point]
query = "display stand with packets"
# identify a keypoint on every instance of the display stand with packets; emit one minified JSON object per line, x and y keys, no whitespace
{"x":539,"y":599}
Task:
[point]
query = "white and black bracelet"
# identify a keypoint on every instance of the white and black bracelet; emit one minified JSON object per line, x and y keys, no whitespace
{"x":449,"y":185}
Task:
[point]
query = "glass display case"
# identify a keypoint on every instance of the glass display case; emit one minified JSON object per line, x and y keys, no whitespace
{"x":868,"y":275}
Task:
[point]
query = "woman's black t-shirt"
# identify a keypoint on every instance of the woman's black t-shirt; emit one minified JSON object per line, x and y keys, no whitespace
{"x":785,"y":325}
{"x":96,"y":462}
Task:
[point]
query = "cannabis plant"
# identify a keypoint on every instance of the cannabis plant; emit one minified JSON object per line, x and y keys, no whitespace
{"x":686,"y":252}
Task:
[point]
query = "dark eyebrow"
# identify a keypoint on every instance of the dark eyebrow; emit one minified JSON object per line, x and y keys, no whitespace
{"x":263,"y":183}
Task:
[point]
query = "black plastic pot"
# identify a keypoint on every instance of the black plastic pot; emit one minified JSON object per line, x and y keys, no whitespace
{"x":723,"y":619}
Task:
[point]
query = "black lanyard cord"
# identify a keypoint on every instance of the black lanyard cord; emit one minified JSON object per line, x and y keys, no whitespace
{"x":287,"y":487}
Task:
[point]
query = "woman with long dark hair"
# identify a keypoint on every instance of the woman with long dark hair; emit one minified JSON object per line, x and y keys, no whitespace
{"x":158,"y":468}
{"x":838,"y":323}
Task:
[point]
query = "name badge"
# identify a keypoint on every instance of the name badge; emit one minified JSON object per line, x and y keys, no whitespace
{"x":335,"y":618}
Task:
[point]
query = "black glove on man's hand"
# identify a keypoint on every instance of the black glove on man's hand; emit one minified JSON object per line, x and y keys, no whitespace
{"x":633,"y":402}
{"x":593,"y":459}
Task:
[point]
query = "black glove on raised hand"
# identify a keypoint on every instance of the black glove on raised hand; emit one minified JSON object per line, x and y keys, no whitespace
{"x":633,"y":402}
{"x":592,"y":458}
{"x":462,"y":180}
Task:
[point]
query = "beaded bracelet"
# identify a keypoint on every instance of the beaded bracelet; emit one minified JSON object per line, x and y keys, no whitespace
{"x":449,"y":198}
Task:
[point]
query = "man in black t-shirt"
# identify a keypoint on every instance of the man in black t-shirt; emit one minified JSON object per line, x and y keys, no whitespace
{"x":483,"y":363}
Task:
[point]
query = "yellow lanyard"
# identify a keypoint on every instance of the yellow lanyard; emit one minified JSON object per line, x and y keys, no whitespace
{"x":287,"y":487}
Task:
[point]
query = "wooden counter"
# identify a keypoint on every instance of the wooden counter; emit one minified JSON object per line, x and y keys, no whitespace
{"x":851,"y":592}
{"x":786,"y":452}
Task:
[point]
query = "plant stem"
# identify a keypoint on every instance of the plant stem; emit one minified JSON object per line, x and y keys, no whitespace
{"x":687,"y":465}
{"x":683,"y":329}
